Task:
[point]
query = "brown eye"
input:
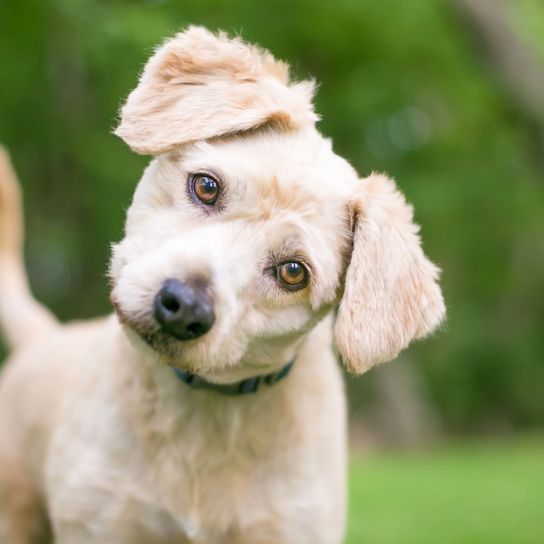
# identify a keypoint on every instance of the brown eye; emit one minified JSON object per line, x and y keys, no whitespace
{"x":205,"y":188}
{"x":293,"y":275}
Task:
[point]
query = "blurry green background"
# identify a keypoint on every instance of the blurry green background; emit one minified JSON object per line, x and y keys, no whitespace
{"x":444,"y":95}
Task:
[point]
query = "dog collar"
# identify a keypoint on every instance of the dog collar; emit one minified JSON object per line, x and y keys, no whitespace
{"x":249,"y":385}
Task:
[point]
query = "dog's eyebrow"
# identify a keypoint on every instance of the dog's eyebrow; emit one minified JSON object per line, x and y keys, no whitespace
{"x":291,"y":251}
{"x":213,"y":172}
{"x":193,"y":167}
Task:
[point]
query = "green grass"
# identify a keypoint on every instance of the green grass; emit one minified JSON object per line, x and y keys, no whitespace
{"x":468,"y":494}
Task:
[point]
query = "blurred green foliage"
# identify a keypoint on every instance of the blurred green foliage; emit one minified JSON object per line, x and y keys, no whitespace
{"x":402,"y":90}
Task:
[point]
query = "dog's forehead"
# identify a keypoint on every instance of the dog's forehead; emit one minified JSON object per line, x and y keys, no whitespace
{"x":278,"y":170}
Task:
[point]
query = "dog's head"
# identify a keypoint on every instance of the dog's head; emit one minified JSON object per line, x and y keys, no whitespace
{"x":247,"y":229}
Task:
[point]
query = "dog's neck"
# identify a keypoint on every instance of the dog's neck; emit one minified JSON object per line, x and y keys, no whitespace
{"x":243,"y":387}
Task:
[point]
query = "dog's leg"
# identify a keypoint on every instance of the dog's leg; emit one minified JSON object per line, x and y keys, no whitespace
{"x":22,"y":514}
{"x":87,"y":532}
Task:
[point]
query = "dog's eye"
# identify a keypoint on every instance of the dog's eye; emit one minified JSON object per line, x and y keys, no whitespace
{"x":292,"y":275}
{"x":205,"y":188}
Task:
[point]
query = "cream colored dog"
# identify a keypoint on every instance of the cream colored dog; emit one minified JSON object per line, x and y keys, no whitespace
{"x":245,"y":233}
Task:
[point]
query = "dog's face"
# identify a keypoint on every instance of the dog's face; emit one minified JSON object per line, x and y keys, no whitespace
{"x":247,"y":229}
{"x":265,"y":246}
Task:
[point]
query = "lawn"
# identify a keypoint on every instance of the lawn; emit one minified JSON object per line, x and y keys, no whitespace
{"x":491,"y":493}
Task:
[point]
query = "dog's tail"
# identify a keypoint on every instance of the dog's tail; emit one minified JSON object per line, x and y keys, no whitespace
{"x":22,"y":318}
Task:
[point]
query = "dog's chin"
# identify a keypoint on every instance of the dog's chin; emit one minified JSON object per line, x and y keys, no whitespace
{"x":146,"y":338}
{"x":161,"y":343}
{"x":185,"y":355}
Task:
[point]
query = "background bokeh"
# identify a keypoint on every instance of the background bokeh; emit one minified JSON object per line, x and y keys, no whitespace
{"x":447,"y":96}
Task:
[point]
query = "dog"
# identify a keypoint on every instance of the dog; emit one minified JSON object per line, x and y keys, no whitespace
{"x":209,"y":407}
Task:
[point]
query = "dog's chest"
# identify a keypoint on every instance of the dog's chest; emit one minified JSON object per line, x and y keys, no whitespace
{"x":184,"y":469}
{"x":218,"y":496}
{"x":235,"y":501}
{"x":217,"y":481}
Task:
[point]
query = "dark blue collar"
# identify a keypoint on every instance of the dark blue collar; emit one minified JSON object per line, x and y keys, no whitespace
{"x":249,"y":385}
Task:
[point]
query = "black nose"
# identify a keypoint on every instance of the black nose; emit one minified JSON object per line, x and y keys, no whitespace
{"x":184,"y":310}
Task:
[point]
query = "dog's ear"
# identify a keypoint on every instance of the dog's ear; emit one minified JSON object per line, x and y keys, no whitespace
{"x":199,"y":85}
{"x":391,"y":294}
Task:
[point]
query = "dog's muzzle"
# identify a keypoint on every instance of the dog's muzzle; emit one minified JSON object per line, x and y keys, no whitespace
{"x":184,"y":310}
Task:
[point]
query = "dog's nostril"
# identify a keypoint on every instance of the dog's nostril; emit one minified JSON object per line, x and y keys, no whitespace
{"x":169,"y":301}
{"x":184,"y":311}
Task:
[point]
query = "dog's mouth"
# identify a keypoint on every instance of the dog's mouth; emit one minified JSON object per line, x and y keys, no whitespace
{"x":148,"y":331}
{"x":144,"y":328}
{"x":162,"y":343}
{"x":167,"y":349}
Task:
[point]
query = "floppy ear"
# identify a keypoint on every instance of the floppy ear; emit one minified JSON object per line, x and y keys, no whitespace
{"x":391,"y":294}
{"x":199,"y":85}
